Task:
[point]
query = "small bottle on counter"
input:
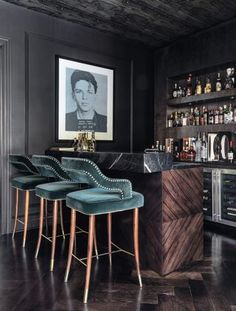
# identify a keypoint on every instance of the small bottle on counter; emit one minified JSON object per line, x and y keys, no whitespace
{"x":230,"y":154}
{"x":204,"y":148}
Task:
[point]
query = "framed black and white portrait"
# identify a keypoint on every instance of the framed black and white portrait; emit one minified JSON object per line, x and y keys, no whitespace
{"x":84,"y":100}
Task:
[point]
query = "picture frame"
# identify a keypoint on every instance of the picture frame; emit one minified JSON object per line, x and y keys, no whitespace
{"x":84,"y":102}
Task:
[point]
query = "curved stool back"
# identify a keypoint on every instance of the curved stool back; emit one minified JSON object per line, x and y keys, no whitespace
{"x":56,"y":192}
{"x":26,"y":183}
{"x":108,"y":195}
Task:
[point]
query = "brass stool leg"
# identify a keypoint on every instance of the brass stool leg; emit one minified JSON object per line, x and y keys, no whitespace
{"x":61,"y":221}
{"x":16,"y":213}
{"x":26,"y":216}
{"x":40,"y":227}
{"x":136,"y":243}
{"x":54,"y":233}
{"x":89,"y":256}
{"x":71,"y":245}
{"x":95,"y":243}
{"x":109,"y":224}
{"x":46,"y":216}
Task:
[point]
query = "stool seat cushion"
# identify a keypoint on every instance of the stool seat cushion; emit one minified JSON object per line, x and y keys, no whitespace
{"x":58,"y":190}
{"x":28,"y":182}
{"x":97,"y":201}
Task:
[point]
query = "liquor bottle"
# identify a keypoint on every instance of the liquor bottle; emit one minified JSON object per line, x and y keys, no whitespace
{"x":190,"y":117}
{"x":204,"y":148}
{"x":216,"y":116}
{"x":175,"y":91}
{"x":189,"y":91}
{"x":226,"y":114}
{"x":170,"y":120}
{"x":218,"y":83}
{"x":205,"y":115}
{"x":191,"y":154}
{"x":211,"y":117}
{"x":198,"y":90}
{"x":175,"y":120}
{"x":198,"y":148}
{"x":207,"y":88}
{"x":184,"y":92}
{"x":230,"y":154}
{"x":183,"y":119}
{"x":202,"y":116}
{"x":176,"y":154}
{"x":229,"y":79}
{"x":157,"y":146}
{"x":197,"y":116}
{"x":230,"y":113}
{"x":221,"y":115}
{"x":180,"y":92}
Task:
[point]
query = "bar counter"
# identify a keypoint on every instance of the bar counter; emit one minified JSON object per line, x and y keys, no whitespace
{"x":171,"y":221}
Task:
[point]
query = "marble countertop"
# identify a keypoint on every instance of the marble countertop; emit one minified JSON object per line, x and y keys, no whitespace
{"x":123,"y":161}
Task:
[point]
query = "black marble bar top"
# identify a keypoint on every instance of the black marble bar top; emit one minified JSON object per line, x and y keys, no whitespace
{"x":121,"y":161}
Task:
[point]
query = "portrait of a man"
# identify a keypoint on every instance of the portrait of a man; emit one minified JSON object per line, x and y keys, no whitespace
{"x":84,"y":91}
{"x":85,"y":100}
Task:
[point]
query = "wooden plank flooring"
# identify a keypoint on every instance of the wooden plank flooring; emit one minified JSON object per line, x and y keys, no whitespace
{"x":27,"y":284}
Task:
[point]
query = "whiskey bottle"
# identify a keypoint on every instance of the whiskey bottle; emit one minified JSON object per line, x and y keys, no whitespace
{"x":189,"y":91}
{"x":198,"y":90}
{"x":218,"y":83}
{"x":207,"y":88}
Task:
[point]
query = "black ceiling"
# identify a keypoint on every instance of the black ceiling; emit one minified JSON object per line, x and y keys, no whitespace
{"x":153,"y":22}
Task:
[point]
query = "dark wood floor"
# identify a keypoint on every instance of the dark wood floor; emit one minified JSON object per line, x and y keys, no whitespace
{"x":27,"y":284}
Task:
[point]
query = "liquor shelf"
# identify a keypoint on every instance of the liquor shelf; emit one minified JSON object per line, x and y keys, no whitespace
{"x":206,"y":98}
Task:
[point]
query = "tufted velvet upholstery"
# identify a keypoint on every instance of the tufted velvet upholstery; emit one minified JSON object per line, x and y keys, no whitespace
{"x":22,"y":163}
{"x":86,"y":171}
{"x":49,"y":167}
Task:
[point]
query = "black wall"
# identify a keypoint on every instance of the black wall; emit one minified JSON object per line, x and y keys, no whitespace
{"x":35,"y":40}
{"x":206,"y":49}
{"x":32,"y":42}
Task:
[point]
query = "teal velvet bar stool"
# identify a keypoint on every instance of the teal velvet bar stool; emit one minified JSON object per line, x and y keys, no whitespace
{"x":107,"y":196}
{"x":54,"y":191}
{"x":25,"y":184}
